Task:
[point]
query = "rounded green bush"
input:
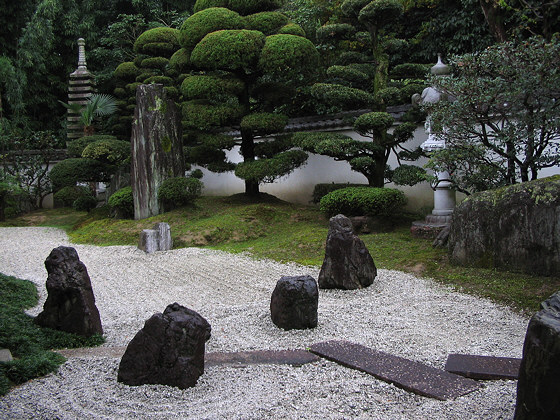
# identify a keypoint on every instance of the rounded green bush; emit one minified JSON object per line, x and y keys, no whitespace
{"x":206,"y":4}
{"x":143,"y":76}
{"x":363,"y":201}
{"x":113,"y":151}
{"x":180,"y":61}
{"x":76,"y":147}
{"x":349,"y":97}
{"x":206,"y":21}
{"x":351,"y":57}
{"x":268,"y":170}
{"x":247,"y":7}
{"x":68,"y":172}
{"x":209,"y":87}
{"x":67,"y":195}
{"x":161,"y":49}
{"x":410,"y":89}
{"x":157,"y":35}
{"x":348,"y":73}
{"x":205,"y":116}
{"x":373,"y":122}
{"x":86,"y":203}
{"x":119,"y":92}
{"x":380,"y":12}
{"x":410,"y":71}
{"x":292,"y":29}
{"x":264,"y":123}
{"x":408,"y":175}
{"x":288,"y":56}
{"x":320,"y":190}
{"x":335,"y":31}
{"x":126,"y":71}
{"x":163,"y":80}
{"x":154,"y":63}
{"x":131,"y":88}
{"x":121,"y":203}
{"x":267,"y":22}
{"x":389,"y":96}
{"x":179,"y":191}
{"x":229,"y":50}
{"x":352,"y":8}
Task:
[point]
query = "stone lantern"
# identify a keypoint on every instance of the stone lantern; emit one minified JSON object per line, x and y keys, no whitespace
{"x":444,"y":195}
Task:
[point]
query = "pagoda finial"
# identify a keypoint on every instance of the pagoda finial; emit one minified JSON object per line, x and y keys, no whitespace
{"x":82,"y":54}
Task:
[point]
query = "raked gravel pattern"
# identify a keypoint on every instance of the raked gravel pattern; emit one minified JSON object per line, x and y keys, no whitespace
{"x":401,"y":314}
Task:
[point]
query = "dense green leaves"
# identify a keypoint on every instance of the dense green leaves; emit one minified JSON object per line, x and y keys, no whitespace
{"x":363,"y":201}
{"x":269,"y":170}
{"x":209,"y":20}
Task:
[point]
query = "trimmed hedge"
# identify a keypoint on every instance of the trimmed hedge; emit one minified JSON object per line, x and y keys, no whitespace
{"x":127,"y":71}
{"x":288,"y":56}
{"x":68,"y":172}
{"x":292,"y":29}
{"x":179,"y":191}
{"x":363,"y":201}
{"x":86,"y":203}
{"x":111,"y":151}
{"x":264,"y":123}
{"x":121,"y":203}
{"x":320,"y":190}
{"x":335,"y":31}
{"x":267,"y":22}
{"x":209,"y":87}
{"x":180,"y":61}
{"x":339,"y":94}
{"x":67,"y":195}
{"x":155,"y":63}
{"x":76,"y":147}
{"x":158,"y":36}
{"x":381,"y":12}
{"x":206,"y":21}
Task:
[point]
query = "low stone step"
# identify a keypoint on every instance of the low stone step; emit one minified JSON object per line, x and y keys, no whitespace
{"x":410,"y":375}
{"x":483,"y":367}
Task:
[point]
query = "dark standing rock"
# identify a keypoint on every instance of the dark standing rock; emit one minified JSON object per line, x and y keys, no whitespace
{"x":157,"y":147}
{"x":70,"y":304}
{"x":294,"y":303}
{"x":169,"y":350}
{"x":515,"y":227}
{"x":538,"y":389}
{"x":348,"y":263}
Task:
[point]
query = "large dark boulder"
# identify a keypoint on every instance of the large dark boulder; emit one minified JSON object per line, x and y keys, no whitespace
{"x":348,"y":263}
{"x":538,"y":390}
{"x":70,"y":304}
{"x":515,"y":227}
{"x":168,"y":350}
{"x":294,"y":303}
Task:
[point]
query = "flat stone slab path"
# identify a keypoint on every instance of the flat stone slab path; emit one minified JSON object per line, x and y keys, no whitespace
{"x":483,"y":367}
{"x":240,"y":359}
{"x":407,"y":374}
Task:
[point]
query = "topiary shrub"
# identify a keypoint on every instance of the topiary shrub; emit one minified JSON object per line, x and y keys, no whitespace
{"x":264,"y":123}
{"x":207,"y":87}
{"x":410,"y":71}
{"x":381,"y":11}
{"x":269,"y":170}
{"x":375,"y":123}
{"x":229,"y":50}
{"x":389,"y":96}
{"x":67,"y":195}
{"x":122,"y":203}
{"x":408,"y":175}
{"x":283,"y":53}
{"x":203,"y":116}
{"x":127,"y":71}
{"x":111,"y":151}
{"x":247,"y":7}
{"x":179,"y":191}
{"x":320,"y":190}
{"x":164,"y":80}
{"x":292,"y":29}
{"x":344,"y":95}
{"x":363,"y":201}
{"x":156,"y":35}
{"x":180,"y":60}
{"x":206,"y":4}
{"x":163,"y":49}
{"x":76,"y":147}
{"x":266,"y":22}
{"x":68,"y":172}
{"x":335,"y":31}
{"x":86,"y":203}
{"x":155,"y":63}
{"x":206,"y":21}
{"x":349,"y":74}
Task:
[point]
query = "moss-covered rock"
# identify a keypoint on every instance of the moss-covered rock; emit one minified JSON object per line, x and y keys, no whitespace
{"x":229,"y":50}
{"x":206,"y":21}
{"x":515,"y":227}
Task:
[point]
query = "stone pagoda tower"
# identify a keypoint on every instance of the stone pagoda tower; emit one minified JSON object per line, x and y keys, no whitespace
{"x":81,"y":86}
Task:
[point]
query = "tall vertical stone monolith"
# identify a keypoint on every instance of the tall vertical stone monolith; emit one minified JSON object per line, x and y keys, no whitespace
{"x":157,"y":148}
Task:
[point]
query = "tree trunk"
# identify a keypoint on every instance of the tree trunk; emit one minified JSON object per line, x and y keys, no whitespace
{"x":494,"y":15}
{"x":248,"y":152}
{"x":2,"y":206}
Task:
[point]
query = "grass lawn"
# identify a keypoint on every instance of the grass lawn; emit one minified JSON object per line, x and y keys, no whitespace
{"x":281,"y":231}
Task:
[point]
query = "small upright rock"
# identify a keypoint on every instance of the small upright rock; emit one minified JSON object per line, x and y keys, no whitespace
{"x":538,"y":393}
{"x":294,"y":303}
{"x":70,"y":305}
{"x":156,"y":239}
{"x":168,"y":350}
{"x":348,"y":263}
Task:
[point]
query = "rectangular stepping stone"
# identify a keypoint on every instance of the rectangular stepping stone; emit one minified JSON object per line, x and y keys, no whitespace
{"x":483,"y":367}
{"x":277,"y":357}
{"x":407,"y":374}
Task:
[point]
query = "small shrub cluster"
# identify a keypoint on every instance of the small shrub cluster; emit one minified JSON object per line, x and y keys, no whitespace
{"x":121,"y":203}
{"x":363,"y":201}
{"x":179,"y":191}
{"x":67,"y":195}
{"x":320,"y":190}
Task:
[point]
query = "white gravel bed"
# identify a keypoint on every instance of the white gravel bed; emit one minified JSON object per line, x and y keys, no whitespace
{"x":400,"y":314}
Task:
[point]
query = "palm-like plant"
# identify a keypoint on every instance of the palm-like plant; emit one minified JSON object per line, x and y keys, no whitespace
{"x":98,"y":104}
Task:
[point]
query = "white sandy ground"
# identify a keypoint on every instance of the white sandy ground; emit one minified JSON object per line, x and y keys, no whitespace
{"x":400,"y":314}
